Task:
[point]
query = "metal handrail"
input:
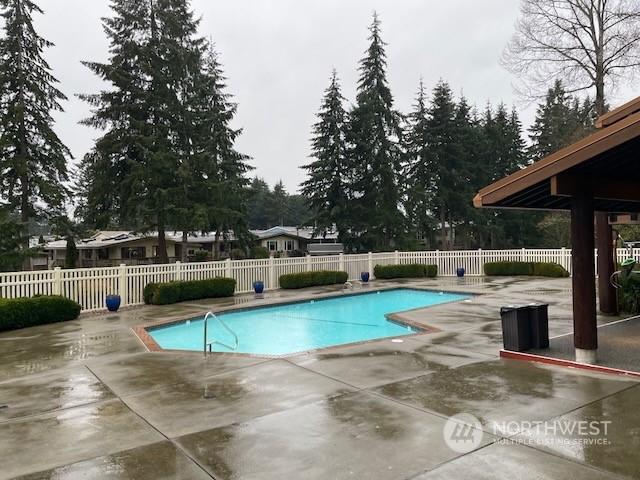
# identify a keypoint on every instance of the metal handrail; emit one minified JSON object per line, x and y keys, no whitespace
{"x":207,"y":344}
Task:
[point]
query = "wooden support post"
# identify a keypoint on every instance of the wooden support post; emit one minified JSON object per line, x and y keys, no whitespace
{"x":585,"y":333}
{"x":606,"y":264}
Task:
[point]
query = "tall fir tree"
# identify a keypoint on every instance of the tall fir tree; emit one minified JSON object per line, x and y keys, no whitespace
{"x":12,"y":241}
{"x":470,"y":173}
{"x":505,"y":153}
{"x":327,"y":186}
{"x":445,"y":150}
{"x":419,"y":172}
{"x":213,"y":182}
{"x":106,"y":180}
{"x":560,"y":120}
{"x":279,"y":204}
{"x":375,"y":157}
{"x":155,"y":58}
{"x":33,"y":159}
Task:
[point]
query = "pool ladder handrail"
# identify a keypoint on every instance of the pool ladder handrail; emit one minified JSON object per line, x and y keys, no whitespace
{"x":208,"y":345}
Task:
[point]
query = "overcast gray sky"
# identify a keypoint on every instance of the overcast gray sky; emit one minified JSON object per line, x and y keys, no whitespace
{"x":278,"y":55}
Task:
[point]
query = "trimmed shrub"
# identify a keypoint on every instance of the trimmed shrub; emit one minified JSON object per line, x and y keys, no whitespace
{"x":174,"y":292}
{"x":413,"y":270}
{"x":28,"y":312}
{"x":238,"y":254}
{"x":541,"y":269}
{"x":259,"y":252}
{"x":535,"y":269}
{"x":200,"y":256}
{"x":312,"y":279}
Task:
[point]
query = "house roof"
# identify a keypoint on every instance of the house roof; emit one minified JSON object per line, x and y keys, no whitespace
{"x":606,"y":164}
{"x":305,"y":233}
{"x":110,"y":238}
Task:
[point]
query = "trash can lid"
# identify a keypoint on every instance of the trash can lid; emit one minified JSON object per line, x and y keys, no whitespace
{"x":509,"y":308}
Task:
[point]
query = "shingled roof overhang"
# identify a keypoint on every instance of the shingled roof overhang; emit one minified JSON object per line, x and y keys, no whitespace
{"x":606,"y":164}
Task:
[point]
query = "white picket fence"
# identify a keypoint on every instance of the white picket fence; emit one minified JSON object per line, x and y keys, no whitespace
{"x":90,"y":286}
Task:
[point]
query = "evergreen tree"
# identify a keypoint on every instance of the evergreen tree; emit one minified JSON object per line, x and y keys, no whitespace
{"x":328,"y":182}
{"x":33,"y":160}
{"x":71,"y":254}
{"x":505,"y":153}
{"x":12,"y":242}
{"x":445,"y":150}
{"x":470,"y":177}
{"x":258,"y":204}
{"x":374,"y":133}
{"x":279,"y":204}
{"x":420,"y":175}
{"x":155,"y":58}
{"x":560,"y":120}
{"x":213,"y":185}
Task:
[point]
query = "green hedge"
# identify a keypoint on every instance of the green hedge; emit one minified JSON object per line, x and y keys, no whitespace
{"x":28,"y":312}
{"x":312,"y":279}
{"x":174,"y":292}
{"x":536,"y":269}
{"x":414,"y":270}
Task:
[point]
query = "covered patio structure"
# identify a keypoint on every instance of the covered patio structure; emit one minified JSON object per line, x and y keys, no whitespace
{"x":593,"y":178}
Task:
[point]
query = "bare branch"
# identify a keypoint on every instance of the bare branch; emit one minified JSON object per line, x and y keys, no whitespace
{"x":586,"y":43}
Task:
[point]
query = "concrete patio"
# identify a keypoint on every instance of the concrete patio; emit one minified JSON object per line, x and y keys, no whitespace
{"x":84,"y":399}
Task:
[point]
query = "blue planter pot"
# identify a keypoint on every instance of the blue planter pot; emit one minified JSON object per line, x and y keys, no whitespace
{"x":258,"y":287}
{"x":364,"y":276}
{"x":113,"y":302}
{"x":460,"y":271}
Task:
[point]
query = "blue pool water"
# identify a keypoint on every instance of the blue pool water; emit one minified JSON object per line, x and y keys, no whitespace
{"x":297,"y":327}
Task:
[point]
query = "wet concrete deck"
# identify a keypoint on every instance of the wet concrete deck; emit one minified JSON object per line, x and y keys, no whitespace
{"x":618,"y":345}
{"x":84,"y":399}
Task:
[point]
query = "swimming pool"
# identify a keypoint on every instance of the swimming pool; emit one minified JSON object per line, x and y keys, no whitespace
{"x":307,"y":325}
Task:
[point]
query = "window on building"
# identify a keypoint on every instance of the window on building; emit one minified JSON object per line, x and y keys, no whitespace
{"x":129,"y":253}
{"x":289,"y":245}
{"x":87,"y":254}
{"x":272,"y":245}
{"x":103,"y":254}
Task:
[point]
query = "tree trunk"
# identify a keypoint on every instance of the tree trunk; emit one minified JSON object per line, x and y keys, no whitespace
{"x":216,"y":246}
{"x":443,"y":227}
{"x":185,"y":244}
{"x":162,"y":245}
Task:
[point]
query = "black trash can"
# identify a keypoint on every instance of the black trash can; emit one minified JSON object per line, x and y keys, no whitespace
{"x":539,"y":317}
{"x":516,"y":328}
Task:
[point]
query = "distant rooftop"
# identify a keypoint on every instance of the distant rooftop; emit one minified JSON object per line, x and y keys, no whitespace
{"x":108,"y":238}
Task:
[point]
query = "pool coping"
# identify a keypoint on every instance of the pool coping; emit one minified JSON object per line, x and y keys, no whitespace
{"x":142,"y":331}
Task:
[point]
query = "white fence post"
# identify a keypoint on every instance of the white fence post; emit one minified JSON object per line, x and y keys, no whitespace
{"x":523,"y":256}
{"x":396,"y":258}
{"x":308,"y":262}
{"x":227,"y":269}
{"x":272,"y":273}
{"x":341,"y":262}
{"x":178,"y":273}
{"x":122,"y":284}
{"x":370,"y":263}
{"x":56,"y":288}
